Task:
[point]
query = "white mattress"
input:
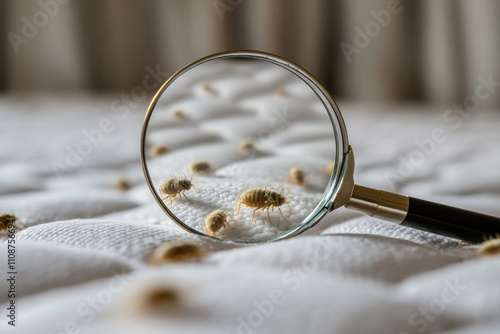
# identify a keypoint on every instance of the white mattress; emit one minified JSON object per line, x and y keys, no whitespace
{"x":349,"y":274}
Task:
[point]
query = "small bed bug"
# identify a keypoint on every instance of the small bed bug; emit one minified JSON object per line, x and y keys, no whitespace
{"x":262,"y":198}
{"x":8,"y":221}
{"x":177,"y":114}
{"x":152,"y":299}
{"x":175,"y":251}
{"x":296,"y":175}
{"x":489,"y":247}
{"x":280,"y":91}
{"x":200,"y":166}
{"x":161,"y":297}
{"x":215,"y":221}
{"x":175,"y":186}
{"x":121,"y":184}
{"x":159,"y":149}
{"x":206,"y":86}
{"x":247,"y":146}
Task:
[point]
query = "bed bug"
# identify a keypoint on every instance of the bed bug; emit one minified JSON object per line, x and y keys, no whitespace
{"x":215,"y":221}
{"x":152,"y":298}
{"x":280,"y":91}
{"x":206,"y":86}
{"x":489,"y":247}
{"x":247,"y":146}
{"x":8,"y":221}
{"x":175,"y":251}
{"x":159,"y":149}
{"x":175,"y":186}
{"x":262,"y":198}
{"x":177,"y":114}
{"x":200,"y":166}
{"x":121,"y":184}
{"x":296,"y":175}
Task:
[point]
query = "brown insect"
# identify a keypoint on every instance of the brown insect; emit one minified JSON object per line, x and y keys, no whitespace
{"x":159,"y":149}
{"x":200,"y":166}
{"x":262,"y":198}
{"x":177,"y":114}
{"x":159,"y":298}
{"x":296,"y":175}
{"x":215,"y":221}
{"x":489,"y":247}
{"x":121,"y":184}
{"x":247,"y":146}
{"x":206,"y":86}
{"x":175,"y":186}
{"x":152,"y":298}
{"x":7,"y":221}
{"x":280,"y":91}
{"x":176,"y":251}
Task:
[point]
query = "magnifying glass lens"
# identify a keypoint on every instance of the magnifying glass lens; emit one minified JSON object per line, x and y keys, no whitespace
{"x":241,"y":149}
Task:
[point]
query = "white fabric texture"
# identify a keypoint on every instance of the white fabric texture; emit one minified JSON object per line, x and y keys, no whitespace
{"x":348,"y":274}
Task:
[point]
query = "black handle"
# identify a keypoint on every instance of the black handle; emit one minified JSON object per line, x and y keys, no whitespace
{"x":466,"y":225}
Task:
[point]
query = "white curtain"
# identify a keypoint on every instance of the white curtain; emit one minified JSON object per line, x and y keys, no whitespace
{"x":429,"y":50}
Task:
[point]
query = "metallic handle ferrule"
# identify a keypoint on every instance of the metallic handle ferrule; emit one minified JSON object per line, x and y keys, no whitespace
{"x":379,"y":204}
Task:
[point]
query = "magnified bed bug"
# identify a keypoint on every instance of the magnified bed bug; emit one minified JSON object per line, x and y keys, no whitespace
{"x":215,"y":221}
{"x":8,"y":221}
{"x":200,"y":166}
{"x":177,"y":114}
{"x":280,"y":91}
{"x":489,"y":247}
{"x":247,"y":146}
{"x":296,"y":175}
{"x":175,"y":186}
{"x":159,"y":149}
{"x":206,"y":86}
{"x":262,"y":198}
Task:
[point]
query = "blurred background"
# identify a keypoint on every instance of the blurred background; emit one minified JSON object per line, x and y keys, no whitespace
{"x":430,"y":51}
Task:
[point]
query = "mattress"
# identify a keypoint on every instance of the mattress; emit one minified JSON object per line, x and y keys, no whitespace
{"x":82,"y":262}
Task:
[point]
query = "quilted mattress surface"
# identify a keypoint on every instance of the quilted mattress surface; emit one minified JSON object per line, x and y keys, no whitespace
{"x":82,"y":260}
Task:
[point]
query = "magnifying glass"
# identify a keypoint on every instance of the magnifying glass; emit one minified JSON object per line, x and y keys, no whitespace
{"x":249,"y":147}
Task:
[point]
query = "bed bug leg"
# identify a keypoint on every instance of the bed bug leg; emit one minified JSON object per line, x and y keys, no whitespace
{"x":228,"y":225}
{"x":231,"y":217}
{"x":239,"y":207}
{"x":268,"y":216}
{"x":185,"y":196}
{"x":253,"y":216}
{"x":281,"y":213}
{"x":171,"y":203}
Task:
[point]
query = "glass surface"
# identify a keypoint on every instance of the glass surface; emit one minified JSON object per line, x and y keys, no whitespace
{"x":244,"y":136}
